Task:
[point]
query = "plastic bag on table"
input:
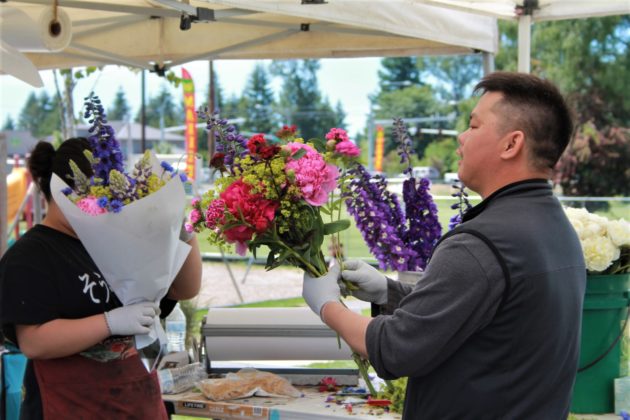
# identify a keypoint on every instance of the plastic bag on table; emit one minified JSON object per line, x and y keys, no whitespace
{"x":246,"y":383}
{"x":180,"y":379}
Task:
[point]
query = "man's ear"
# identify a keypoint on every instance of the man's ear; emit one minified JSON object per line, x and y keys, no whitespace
{"x":513,"y":144}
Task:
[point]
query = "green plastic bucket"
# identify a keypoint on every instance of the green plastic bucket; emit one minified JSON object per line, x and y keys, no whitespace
{"x":606,"y":306}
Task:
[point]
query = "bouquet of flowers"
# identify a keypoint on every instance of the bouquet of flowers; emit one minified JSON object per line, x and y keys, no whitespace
{"x":276,"y":193}
{"x":400,"y":240}
{"x":129,"y":223}
{"x":605,"y":243}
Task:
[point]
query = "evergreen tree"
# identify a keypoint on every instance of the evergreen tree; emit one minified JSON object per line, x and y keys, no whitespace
{"x":455,"y":75}
{"x":120,"y":110}
{"x":8,"y":124}
{"x":301,"y":102}
{"x":259,"y":102}
{"x":40,"y":115}
{"x":163,"y":108}
{"x":398,"y":73}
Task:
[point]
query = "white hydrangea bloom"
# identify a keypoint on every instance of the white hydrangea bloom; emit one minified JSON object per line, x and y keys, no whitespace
{"x":619,"y":232}
{"x":599,"y":253}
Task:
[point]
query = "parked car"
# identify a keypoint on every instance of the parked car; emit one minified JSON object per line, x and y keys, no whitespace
{"x":426,"y":172}
{"x":451,"y":177}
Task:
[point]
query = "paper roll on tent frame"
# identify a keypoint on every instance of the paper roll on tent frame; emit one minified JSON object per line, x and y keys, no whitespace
{"x":31,"y":29}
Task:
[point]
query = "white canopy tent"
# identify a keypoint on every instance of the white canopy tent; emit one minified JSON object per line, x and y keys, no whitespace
{"x":148,"y":34}
{"x":526,"y":12}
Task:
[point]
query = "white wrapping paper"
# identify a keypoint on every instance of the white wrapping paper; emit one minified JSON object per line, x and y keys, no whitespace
{"x":138,"y":249}
{"x":27,"y":29}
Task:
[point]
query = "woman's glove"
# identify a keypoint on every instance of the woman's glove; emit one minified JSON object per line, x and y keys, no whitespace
{"x":132,"y":319}
{"x":317,"y":291}
{"x":372,"y":284}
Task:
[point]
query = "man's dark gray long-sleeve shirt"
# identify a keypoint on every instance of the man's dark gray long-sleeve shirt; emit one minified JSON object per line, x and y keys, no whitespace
{"x":492,"y":329}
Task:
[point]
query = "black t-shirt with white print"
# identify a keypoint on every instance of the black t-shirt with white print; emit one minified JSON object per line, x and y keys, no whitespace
{"x":49,"y":275}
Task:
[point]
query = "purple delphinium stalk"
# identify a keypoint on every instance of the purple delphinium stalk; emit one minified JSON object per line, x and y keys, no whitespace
{"x":379,"y":218}
{"x":105,"y":147}
{"x":401,"y":241}
{"x":404,"y":144}
{"x":462,"y":204}
{"x":424,"y":228}
{"x":229,"y":141}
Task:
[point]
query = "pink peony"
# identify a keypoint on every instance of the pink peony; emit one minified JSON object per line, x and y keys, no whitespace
{"x":347,"y":148}
{"x":90,"y":206}
{"x":313,"y":176}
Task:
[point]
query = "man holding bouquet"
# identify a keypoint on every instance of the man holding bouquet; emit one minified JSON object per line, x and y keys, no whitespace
{"x":56,"y":305}
{"x":492,"y":328}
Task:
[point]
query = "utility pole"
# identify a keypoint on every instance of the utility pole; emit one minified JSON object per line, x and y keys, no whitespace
{"x":143,"y":116}
{"x":211,"y":108}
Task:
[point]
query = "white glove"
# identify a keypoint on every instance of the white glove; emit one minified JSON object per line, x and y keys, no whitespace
{"x":372,"y":284}
{"x":132,"y":319}
{"x":317,"y":291}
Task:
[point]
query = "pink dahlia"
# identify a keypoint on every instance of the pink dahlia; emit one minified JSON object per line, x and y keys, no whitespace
{"x":313,"y":176}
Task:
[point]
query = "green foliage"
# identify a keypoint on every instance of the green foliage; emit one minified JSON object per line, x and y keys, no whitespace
{"x":301,"y":102}
{"x":163,"y":105}
{"x":588,"y":59}
{"x":40,"y":115}
{"x":506,"y":58}
{"x":396,"y":394}
{"x":398,"y":73}
{"x":410,"y":102}
{"x":259,"y":102}
{"x":120,"y":110}
{"x":441,"y":155}
{"x":454,"y":75}
{"x":8,"y":124}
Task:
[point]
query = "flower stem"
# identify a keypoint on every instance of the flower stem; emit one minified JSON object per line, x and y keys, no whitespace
{"x":363,"y":370}
{"x":310,"y":267}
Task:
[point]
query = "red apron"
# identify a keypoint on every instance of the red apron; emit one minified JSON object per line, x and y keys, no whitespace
{"x":81,"y":388}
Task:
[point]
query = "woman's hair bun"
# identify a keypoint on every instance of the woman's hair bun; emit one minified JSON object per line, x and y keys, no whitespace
{"x":40,"y":163}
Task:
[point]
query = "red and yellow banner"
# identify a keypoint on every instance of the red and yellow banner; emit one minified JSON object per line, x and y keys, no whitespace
{"x":191,"y":124}
{"x":379,"y":149}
